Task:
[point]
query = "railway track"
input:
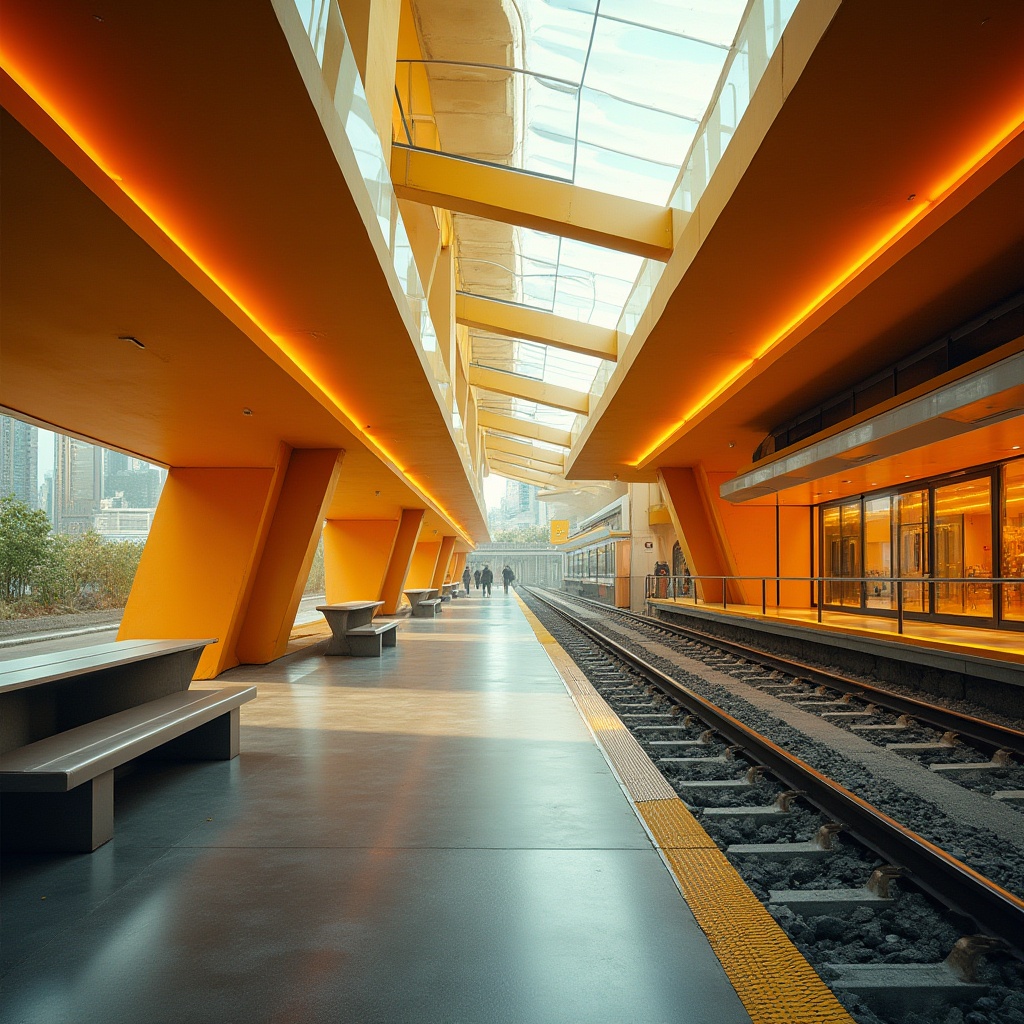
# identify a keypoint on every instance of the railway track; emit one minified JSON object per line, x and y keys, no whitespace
{"x":794,"y":811}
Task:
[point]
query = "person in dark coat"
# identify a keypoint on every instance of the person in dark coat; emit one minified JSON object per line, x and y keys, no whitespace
{"x":507,"y":576}
{"x":476,"y":577}
{"x":486,"y":579}
{"x":466,"y":577}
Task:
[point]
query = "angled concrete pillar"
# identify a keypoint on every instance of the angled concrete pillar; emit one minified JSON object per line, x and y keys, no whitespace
{"x":199,"y":564}
{"x":458,"y":564}
{"x":424,"y":562}
{"x":699,"y":531}
{"x":401,"y":559}
{"x":356,"y":557}
{"x":306,"y":492}
{"x":444,"y":558}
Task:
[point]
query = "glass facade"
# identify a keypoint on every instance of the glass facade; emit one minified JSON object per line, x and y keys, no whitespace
{"x":943,"y":542}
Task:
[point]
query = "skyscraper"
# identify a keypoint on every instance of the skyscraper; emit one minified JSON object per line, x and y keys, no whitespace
{"x":77,"y":484}
{"x":19,"y":460}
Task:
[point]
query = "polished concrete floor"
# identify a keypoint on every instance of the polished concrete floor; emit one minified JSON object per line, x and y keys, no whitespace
{"x":428,"y":837}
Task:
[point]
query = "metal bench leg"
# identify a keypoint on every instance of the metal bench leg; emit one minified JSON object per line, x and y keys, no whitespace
{"x":391,"y":638}
{"x":78,"y":821}
{"x":365,"y":646}
{"x":215,"y":741}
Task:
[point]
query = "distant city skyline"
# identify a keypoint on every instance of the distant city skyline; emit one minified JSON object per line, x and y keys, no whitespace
{"x":79,"y":485}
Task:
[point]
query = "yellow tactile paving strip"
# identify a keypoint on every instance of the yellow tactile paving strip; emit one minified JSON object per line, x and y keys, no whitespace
{"x":774,"y":982}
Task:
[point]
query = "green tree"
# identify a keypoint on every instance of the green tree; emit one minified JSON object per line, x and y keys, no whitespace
{"x":24,"y":545}
{"x":521,"y":535}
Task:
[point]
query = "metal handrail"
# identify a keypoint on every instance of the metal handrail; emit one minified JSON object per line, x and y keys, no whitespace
{"x":653,"y":584}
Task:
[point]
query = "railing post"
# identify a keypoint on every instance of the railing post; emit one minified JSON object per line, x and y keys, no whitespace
{"x":764,"y":595}
{"x":724,"y":594}
{"x":899,"y":607}
{"x":821,"y":595}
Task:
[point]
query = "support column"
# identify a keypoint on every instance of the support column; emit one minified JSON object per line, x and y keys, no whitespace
{"x":701,"y":541}
{"x":458,"y":564}
{"x":424,"y":562}
{"x":199,"y":564}
{"x":307,"y":490}
{"x":401,"y":559}
{"x":443,"y":558}
{"x":356,"y":557}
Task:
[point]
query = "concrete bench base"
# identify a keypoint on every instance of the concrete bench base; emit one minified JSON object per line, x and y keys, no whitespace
{"x":427,"y":609}
{"x":58,"y":793}
{"x":368,"y":641}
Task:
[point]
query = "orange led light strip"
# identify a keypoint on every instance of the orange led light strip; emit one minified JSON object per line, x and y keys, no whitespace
{"x":945,"y":188}
{"x":280,"y":343}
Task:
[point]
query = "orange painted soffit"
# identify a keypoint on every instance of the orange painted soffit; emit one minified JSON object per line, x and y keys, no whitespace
{"x":29,"y":103}
{"x":1008,"y":140}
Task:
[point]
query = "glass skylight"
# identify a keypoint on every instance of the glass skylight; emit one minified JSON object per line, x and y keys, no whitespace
{"x":557,"y":275}
{"x":606,"y":94}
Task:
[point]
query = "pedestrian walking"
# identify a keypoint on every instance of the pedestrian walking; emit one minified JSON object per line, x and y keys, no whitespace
{"x":476,"y":577}
{"x":466,"y":577}
{"x":486,"y":579}
{"x":507,"y":576}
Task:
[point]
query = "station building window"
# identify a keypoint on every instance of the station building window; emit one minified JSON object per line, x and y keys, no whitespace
{"x":1013,"y":540}
{"x":944,"y":540}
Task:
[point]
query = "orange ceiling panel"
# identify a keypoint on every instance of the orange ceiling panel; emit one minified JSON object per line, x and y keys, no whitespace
{"x":881,"y":208}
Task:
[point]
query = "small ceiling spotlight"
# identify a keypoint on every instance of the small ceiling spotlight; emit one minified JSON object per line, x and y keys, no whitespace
{"x":732,"y":444}
{"x":846,"y":481}
{"x":376,"y":494}
{"x":911,"y":197}
{"x":247,"y":412}
{"x":128,"y":337}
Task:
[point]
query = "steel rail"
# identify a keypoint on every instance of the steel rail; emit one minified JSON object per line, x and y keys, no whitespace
{"x":951,"y":882}
{"x":987,"y":736}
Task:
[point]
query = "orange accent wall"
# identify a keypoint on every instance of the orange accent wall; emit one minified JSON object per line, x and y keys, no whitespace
{"x":199,"y":564}
{"x":307,"y":490}
{"x":356,"y":557}
{"x":795,"y":554}
{"x":424,"y":561}
{"x":399,"y":563}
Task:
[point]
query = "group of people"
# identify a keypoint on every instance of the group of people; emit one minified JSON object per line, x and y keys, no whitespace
{"x":483,"y":578}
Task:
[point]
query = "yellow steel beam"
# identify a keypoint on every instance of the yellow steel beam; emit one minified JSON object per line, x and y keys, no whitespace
{"x":513,"y":385}
{"x":537,"y":465}
{"x":523,"y":428}
{"x":526,"y":476}
{"x":513,"y":197}
{"x":512,"y":321}
{"x":525,"y":451}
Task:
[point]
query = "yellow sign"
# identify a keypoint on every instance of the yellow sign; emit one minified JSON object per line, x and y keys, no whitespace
{"x":559,"y":531}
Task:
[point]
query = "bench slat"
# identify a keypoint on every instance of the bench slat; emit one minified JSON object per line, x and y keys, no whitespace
{"x":19,"y":673}
{"x":372,"y":629}
{"x":61,"y":762}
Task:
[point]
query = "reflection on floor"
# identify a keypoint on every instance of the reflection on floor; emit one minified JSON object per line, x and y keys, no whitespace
{"x":430,"y":836}
{"x":1000,"y":644}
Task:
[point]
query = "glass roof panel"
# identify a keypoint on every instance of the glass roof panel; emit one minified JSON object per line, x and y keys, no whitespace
{"x":605,"y":95}
{"x":521,"y":409}
{"x":558,"y":275}
{"x":532,"y":359}
{"x":712,"y":20}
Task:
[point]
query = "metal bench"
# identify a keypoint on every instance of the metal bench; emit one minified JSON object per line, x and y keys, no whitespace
{"x":69,"y":718}
{"x":427,"y":609}
{"x":425,"y":602}
{"x":348,"y":620}
{"x":367,"y":641}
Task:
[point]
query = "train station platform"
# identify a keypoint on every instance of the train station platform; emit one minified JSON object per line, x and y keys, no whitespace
{"x":429,"y":836}
{"x":973,"y":650}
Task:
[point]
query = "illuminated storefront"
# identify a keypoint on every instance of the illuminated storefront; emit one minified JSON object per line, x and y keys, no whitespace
{"x":940,"y":548}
